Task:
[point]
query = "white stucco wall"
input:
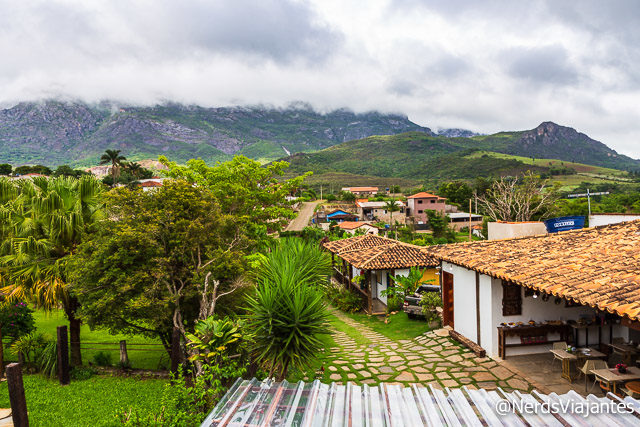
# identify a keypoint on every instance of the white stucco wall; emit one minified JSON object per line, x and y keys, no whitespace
{"x":464,"y":300}
{"x":604,"y":219}
{"x":510,"y":230}
{"x":490,"y":298}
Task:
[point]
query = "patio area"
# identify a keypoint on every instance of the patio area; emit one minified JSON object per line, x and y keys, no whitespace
{"x":545,"y":373}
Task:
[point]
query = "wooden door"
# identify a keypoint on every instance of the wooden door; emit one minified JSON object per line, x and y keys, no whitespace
{"x":447,"y":299}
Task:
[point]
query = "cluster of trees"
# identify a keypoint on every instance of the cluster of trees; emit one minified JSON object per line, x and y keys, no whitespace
{"x":197,"y":248}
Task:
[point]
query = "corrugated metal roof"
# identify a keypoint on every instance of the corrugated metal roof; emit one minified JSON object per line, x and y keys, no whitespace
{"x":268,"y":403}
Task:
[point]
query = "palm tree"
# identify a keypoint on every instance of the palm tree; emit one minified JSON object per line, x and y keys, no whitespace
{"x":113,"y":157}
{"x":287,"y":314}
{"x":135,"y":169}
{"x":392,"y":206}
{"x":42,"y":221}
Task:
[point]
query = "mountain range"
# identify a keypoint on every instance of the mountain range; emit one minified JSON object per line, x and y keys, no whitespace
{"x":340,"y":141}
{"x":548,"y":148}
{"x":53,"y":132}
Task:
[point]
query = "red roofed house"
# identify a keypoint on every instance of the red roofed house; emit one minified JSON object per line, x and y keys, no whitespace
{"x":419,"y":203}
{"x":362,"y":191}
{"x":352,"y":226}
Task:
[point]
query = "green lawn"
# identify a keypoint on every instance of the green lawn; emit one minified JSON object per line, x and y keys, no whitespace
{"x":398,"y":326}
{"x":91,"y":402}
{"x":149,"y":357}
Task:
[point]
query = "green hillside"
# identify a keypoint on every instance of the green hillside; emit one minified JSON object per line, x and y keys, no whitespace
{"x":411,"y":155}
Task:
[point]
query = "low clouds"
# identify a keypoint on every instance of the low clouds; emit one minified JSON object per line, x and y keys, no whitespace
{"x":489,"y":66}
{"x":541,"y":65}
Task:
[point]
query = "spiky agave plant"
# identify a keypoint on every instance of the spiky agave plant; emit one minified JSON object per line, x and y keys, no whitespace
{"x":288,"y":315}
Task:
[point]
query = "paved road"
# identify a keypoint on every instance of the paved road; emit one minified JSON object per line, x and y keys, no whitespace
{"x":303,"y":218}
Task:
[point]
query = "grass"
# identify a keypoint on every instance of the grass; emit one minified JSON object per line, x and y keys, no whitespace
{"x":148,"y":358}
{"x":399,"y":326}
{"x":91,"y":402}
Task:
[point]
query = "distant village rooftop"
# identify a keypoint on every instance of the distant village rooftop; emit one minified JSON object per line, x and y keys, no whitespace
{"x":598,"y":267}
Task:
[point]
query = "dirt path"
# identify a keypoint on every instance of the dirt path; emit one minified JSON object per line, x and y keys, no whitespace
{"x":304,"y":216}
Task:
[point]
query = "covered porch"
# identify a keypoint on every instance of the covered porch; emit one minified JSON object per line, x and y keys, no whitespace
{"x":365,"y":265}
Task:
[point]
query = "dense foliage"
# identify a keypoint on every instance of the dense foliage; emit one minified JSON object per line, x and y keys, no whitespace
{"x":163,"y":261}
{"x":42,"y":221}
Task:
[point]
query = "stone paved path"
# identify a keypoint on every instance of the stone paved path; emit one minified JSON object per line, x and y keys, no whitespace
{"x":432,"y":358}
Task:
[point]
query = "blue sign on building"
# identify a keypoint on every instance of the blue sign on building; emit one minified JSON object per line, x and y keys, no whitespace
{"x":564,"y":223}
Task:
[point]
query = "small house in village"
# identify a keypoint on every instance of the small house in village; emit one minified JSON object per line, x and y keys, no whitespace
{"x":337,"y":215}
{"x":419,"y":203}
{"x":361,"y":191}
{"x":518,"y":296}
{"x":460,"y":220}
{"x":352,"y":227}
{"x":365,"y":264}
{"x":370,"y":211}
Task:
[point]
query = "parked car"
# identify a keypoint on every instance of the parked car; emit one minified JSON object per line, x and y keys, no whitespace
{"x":412,"y":302}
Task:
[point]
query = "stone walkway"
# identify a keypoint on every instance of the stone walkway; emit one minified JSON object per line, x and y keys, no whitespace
{"x":432,"y":358}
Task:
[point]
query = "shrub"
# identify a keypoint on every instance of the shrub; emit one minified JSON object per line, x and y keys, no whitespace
{"x":331,"y":198}
{"x":343,"y":299}
{"x":186,"y":401}
{"x":429,"y":302}
{"x":394,"y":303}
{"x":102,"y":358}
{"x":16,"y":320}
{"x":80,"y":373}
{"x":31,"y":346}
{"x":48,"y":359}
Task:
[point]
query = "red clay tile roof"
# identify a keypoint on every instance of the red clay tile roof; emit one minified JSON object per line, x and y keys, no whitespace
{"x":350,"y":225}
{"x":372,"y":252}
{"x":357,"y":189}
{"x":598,"y":266}
{"x":422,"y":195}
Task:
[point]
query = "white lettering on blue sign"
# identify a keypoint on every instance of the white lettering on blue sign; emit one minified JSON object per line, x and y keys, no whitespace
{"x":564,"y":224}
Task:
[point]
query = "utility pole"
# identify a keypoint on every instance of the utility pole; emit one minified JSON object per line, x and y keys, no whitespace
{"x":588,"y":195}
{"x":320,"y":191}
{"x":469,"y":219}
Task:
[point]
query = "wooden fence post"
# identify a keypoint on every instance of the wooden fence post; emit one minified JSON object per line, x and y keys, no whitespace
{"x":124,"y":357}
{"x":175,"y":350}
{"x":63,"y":355}
{"x":16,"y":395}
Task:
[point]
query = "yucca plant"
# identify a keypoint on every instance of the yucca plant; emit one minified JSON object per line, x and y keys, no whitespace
{"x":293,"y":259}
{"x":287,"y":314}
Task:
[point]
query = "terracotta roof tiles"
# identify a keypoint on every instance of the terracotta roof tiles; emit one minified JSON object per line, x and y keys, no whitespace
{"x":372,"y":252}
{"x":599,"y":266}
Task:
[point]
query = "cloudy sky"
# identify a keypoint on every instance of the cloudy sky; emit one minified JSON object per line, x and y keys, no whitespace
{"x":485,"y":66}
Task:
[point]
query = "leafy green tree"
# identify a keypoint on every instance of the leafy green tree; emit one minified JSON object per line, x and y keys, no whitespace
{"x":347,"y":196}
{"x":66,"y":170}
{"x":457,"y":192}
{"x":391,"y":206}
{"x":287,"y":314}
{"x":5,"y":169}
{"x":440,"y":225}
{"x":42,"y":222}
{"x":254,"y":194}
{"x":113,"y":157}
{"x":41,"y":169}
{"x":405,"y":285}
{"x":164,"y":259}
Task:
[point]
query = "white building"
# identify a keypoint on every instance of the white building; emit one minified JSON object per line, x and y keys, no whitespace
{"x":610,"y":218}
{"x":567,"y":284}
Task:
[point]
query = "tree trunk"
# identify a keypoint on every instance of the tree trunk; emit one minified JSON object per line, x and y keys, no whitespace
{"x":1,"y":355}
{"x":70,"y":309}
